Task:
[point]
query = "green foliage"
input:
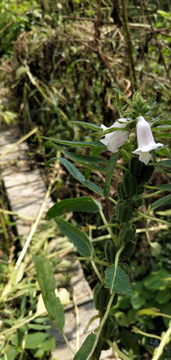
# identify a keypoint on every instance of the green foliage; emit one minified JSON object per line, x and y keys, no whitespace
{"x":47,"y":285}
{"x":117,"y":281}
{"x":81,"y":204}
{"x":78,"y":237}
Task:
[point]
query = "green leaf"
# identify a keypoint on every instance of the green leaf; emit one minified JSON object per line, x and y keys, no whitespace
{"x":109,"y":173}
{"x":123,"y":96}
{"x":48,"y":344}
{"x":86,"y":347}
{"x":95,"y":153}
{"x":137,"y":301}
{"x":87,"y":161}
{"x":118,"y":103}
{"x":93,"y":144}
{"x":11,"y":352}
{"x":165,"y":163}
{"x":50,"y":144}
{"x":152,"y":102}
{"x":32,"y":341}
{"x":87,"y":125}
{"x":117,"y":281}
{"x":156,"y":279}
{"x":84,"y":203}
{"x":76,"y":236}
{"x":47,"y":285}
{"x":162,"y":128}
{"x":78,"y":176}
{"x":39,"y":327}
{"x":163,"y":151}
{"x":150,"y":311}
{"x":163,"y":135}
{"x":121,"y":318}
{"x":163,"y":201}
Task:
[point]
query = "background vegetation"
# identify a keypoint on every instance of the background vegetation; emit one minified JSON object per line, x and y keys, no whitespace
{"x":60,"y":62}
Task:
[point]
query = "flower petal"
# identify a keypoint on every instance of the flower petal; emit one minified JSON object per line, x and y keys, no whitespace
{"x":116,"y":138}
{"x":145,"y":140}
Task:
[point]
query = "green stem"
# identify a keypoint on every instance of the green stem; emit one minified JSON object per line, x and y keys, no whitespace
{"x":101,"y":325}
{"x":108,"y":226}
{"x":19,"y":325}
{"x":149,"y":218}
{"x":90,"y":322}
{"x":114,"y":201}
{"x":97,"y":272}
{"x":92,"y":259}
{"x":164,"y":341}
{"x":68,"y":344}
{"x":106,"y":223}
{"x":120,"y":353}
{"x":153,"y":194}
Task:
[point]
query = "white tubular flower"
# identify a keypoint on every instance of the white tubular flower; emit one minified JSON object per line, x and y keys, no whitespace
{"x":145,"y":140}
{"x":116,"y":138}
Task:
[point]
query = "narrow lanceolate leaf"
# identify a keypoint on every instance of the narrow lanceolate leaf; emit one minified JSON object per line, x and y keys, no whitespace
{"x":95,"y":153}
{"x":165,"y":163}
{"x":50,"y":144}
{"x":123,"y":96}
{"x":109,"y":173}
{"x":76,"y":236}
{"x":84,"y":203}
{"x":86,"y":347}
{"x":162,"y":135}
{"x":83,"y":159}
{"x":47,"y":285}
{"x":164,"y":187}
{"x":165,"y":200}
{"x":78,"y":176}
{"x":91,"y":144}
{"x":88,"y":125}
{"x":117,"y":281}
{"x":87,"y":161}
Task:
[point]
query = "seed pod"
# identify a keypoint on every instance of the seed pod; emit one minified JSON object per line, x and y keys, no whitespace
{"x":127,"y":233}
{"x":146,"y":173}
{"x":140,"y":190}
{"x":124,"y":211}
{"x":115,"y":300}
{"x":135,"y":165}
{"x":101,"y":297}
{"x":125,"y":165}
{"x":129,"y":248}
{"x":130,"y":184}
{"x":109,"y":327}
{"x":103,"y":268}
{"x":120,"y":191}
{"x":110,"y":251}
{"x":114,"y":229}
{"x":137,"y":201}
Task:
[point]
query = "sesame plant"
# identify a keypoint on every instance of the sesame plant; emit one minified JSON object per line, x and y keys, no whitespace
{"x":131,"y":140}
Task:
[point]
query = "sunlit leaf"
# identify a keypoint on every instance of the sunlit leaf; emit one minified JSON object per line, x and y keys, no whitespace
{"x":47,"y":283}
{"x":84,"y":203}
{"x":118,"y":281}
{"x":86,"y":347}
{"x":78,"y":176}
{"x":76,"y":236}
